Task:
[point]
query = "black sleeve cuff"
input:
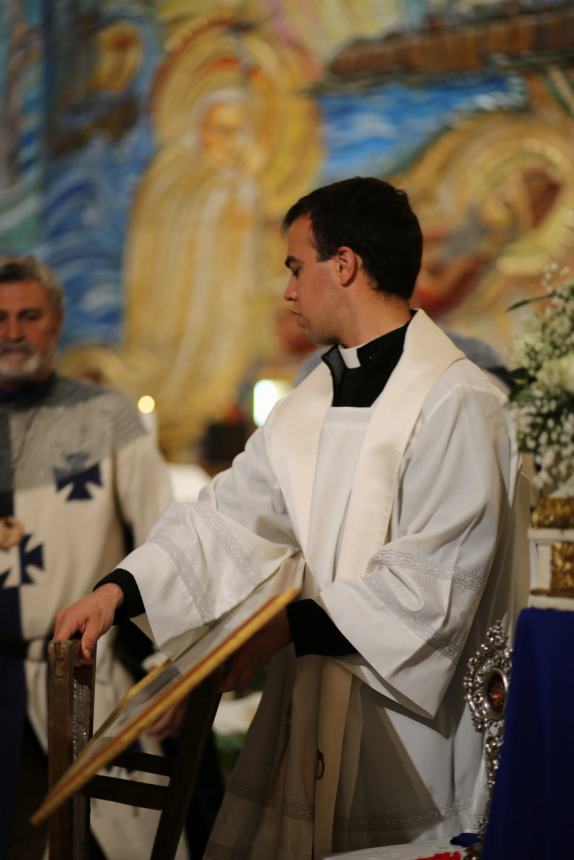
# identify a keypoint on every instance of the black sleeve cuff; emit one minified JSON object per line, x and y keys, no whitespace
{"x":133,"y":603}
{"x":313,"y":631}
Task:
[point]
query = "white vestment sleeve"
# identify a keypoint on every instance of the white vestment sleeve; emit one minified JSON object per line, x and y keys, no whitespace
{"x":202,"y":559}
{"x":410,"y":615}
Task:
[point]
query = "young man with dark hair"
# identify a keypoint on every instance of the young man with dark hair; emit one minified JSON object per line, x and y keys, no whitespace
{"x":374,"y":219}
{"x":392,"y":469}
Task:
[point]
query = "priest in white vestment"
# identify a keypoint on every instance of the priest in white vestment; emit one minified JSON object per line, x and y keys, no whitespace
{"x":392,"y":473}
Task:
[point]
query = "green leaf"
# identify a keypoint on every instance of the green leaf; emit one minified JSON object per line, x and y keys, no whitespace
{"x":521,"y":374}
{"x":521,"y":396}
{"x":530,"y":301}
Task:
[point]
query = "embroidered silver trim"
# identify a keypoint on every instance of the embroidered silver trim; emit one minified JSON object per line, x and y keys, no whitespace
{"x":467,"y":578}
{"x":448,"y":644}
{"x":393,"y":822}
{"x":301,"y":811}
{"x":258,"y":795}
{"x":185,"y":571}
{"x":217,"y":851}
{"x":467,"y":590}
{"x":231,"y":546}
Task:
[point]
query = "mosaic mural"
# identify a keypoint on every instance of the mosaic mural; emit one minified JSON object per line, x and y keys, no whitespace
{"x":148,"y":151}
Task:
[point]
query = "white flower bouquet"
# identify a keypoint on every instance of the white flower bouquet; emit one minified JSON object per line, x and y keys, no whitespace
{"x":542,"y":398}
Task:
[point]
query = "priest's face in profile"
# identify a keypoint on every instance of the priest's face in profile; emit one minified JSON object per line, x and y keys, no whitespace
{"x":29,"y":332}
{"x":313,"y":287}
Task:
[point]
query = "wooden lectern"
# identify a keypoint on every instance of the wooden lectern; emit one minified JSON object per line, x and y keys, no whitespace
{"x":70,"y":719}
{"x":76,"y":757}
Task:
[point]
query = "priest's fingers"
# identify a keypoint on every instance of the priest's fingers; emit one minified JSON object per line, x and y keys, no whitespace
{"x":169,"y":724}
{"x":91,"y":616}
{"x":257,"y":652}
{"x":241,"y":670}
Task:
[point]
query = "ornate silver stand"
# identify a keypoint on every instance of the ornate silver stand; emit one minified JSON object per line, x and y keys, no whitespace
{"x":486,"y":690}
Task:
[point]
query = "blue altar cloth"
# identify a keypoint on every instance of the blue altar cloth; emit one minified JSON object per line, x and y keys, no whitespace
{"x":532,"y":814}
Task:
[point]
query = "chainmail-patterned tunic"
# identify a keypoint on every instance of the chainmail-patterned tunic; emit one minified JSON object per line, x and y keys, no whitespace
{"x":79,"y":478}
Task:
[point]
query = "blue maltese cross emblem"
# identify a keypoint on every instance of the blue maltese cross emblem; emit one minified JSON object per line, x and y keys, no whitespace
{"x":27,"y":557}
{"x":78,"y":478}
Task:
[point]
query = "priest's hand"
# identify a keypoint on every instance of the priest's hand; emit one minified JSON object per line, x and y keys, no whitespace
{"x":257,"y":652}
{"x":91,"y":616}
{"x":169,"y":724}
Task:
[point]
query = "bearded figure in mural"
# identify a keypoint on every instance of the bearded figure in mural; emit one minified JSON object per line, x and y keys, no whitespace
{"x":237,"y":141}
{"x":195,"y":259}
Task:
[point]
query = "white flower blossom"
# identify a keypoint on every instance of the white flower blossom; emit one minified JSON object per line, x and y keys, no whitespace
{"x":542,"y":401}
{"x":558,"y":373}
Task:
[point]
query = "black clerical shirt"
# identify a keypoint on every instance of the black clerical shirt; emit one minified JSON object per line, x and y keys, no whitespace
{"x":312,"y":630}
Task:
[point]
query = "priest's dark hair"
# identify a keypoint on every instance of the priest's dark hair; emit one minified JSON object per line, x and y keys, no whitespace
{"x":373,"y":218}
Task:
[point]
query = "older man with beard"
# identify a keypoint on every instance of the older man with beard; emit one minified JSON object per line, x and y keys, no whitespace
{"x":78,"y":473}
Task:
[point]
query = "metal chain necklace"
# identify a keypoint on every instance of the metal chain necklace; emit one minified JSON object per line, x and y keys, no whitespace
{"x":11,"y":529}
{"x":17,"y":456}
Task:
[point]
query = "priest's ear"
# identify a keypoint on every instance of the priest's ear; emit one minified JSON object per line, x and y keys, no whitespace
{"x":347,"y":265}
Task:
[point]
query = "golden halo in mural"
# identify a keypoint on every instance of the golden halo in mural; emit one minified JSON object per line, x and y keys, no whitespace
{"x":224,"y":62}
{"x":238,"y":141}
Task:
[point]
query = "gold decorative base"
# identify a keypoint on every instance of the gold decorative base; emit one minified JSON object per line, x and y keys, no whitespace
{"x":553,"y":533}
{"x":553,"y":512}
{"x":562,"y":568}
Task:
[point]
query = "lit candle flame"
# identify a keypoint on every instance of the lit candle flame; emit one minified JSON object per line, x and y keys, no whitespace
{"x":146,"y":404}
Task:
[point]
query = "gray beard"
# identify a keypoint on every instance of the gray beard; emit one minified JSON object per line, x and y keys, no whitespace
{"x":27,"y":371}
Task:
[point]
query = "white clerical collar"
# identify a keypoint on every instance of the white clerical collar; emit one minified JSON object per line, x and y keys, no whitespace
{"x":349,"y":355}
